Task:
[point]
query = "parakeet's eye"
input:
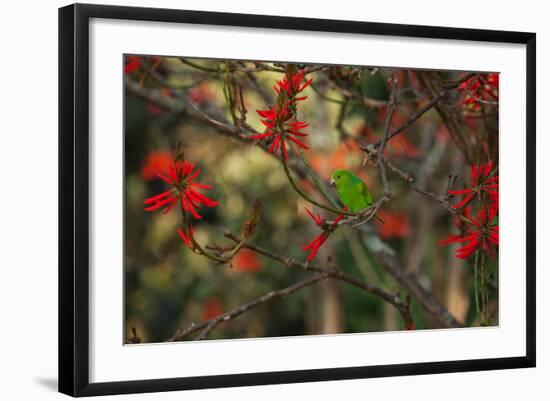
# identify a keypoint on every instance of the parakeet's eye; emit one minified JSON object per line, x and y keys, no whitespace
{"x":338,"y":177}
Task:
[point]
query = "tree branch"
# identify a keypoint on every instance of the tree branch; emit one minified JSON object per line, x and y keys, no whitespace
{"x":184,"y":108}
{"x":333,"y":273}
{"x":209,"y":325}
{"x":436,"y":97}
{"x":178,"y":106}
{"x":426,"y":299}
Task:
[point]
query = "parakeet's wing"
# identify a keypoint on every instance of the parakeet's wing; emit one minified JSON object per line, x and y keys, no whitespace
{"x":356,"y":196}
{"x":365,"y":193}
{"x":360,"y":197}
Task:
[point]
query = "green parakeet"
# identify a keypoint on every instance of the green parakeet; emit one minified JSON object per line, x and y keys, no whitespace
{"x":353,"y":192}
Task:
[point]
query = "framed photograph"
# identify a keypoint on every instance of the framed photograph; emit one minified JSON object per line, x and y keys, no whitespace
{"x":249,"y":199}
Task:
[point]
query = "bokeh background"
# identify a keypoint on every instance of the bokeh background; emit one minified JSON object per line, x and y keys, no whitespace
{"x":168,"y":287}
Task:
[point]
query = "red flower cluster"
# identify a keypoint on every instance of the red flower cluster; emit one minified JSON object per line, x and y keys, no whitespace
{"x":157,"y":161}
{"x":320,"y":239}
{"x":247,"y":261}
{"x":184,"y":190}
{"x":396,"y":224}
{"x":279,"y":120}
{"x":212,"y":308}
{"x":293,"y":85}
{"x":481,"y":233}
{"x":281,"y":129}
{"x":480,"y":88}
{"x":132,"y":64}
{"x":408,"y":326}
{"x":483,"y":179}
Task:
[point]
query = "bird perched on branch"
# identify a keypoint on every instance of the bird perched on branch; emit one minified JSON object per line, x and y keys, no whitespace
{"x":353,"y":192}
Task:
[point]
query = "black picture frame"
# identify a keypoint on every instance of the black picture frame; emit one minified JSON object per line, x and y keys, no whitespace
{"x":74,"y":194}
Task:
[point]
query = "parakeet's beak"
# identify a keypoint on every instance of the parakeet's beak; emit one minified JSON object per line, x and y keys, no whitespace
{"x":332,"y":183}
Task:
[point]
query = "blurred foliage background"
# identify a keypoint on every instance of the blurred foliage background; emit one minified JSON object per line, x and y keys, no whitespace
{"x":168,"y":287}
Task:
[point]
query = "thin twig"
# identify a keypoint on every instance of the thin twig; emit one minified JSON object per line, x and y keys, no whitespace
{"x":415,"y":116}
{"x":380,"y":155}
{"x":408,"y":178}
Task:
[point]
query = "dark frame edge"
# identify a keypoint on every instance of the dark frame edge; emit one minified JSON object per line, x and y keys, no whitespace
{"x":531,"y":131}
{"x":301,"y":23}
{"x":302,"y":376}
{"x":66,"y":302}
{"x":73,"y":369}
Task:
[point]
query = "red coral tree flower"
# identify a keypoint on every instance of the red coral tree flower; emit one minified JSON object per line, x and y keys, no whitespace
{"x":482,"y":179}
{"x":280,"y":128}
{"x":212,"y":308}
{"x":320,"y":239}
{"x":408,"y":325}
{"x":293,"y":85}
{"x":132,"y":64}
{"x":482,"y":234}
{"x":396,"y":225}
{"x":186,"y":236}
{"x":279,"y":121}
{"x":247,"y":261}
{"x":181,"y":176}
{"x":157,"y":161}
